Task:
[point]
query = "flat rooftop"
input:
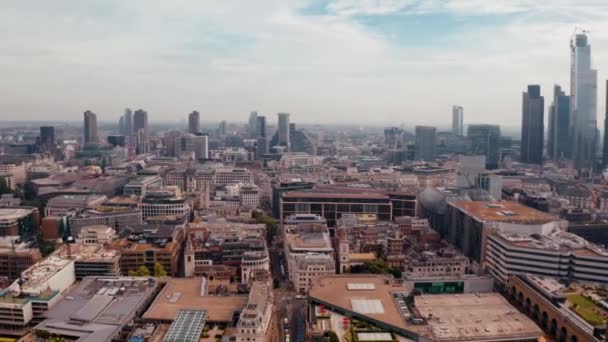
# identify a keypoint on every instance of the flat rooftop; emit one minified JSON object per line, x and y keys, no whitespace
{"x":334,"y":195}
{"x":475,"y":317}
{"x":41,"y":272}
{"x":503,"y":211}
{"x":368,"y":295}
{"x":87,"y":252}
{"x":185,"y":294}
{"x":10,"y":214}
{"x":556,"y":241}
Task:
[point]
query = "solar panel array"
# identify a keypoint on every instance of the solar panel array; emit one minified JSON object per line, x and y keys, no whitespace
{"x":187,"y":326}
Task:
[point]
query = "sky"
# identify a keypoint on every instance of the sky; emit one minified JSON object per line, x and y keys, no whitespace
{"x":384,"y":62}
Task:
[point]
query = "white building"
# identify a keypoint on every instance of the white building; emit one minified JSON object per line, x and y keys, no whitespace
{"x":308,"y":267}
{"x":559,"y":254}
{"x":14,"y":174}
{"x":254,"y":322}
{"x":97,"y":234}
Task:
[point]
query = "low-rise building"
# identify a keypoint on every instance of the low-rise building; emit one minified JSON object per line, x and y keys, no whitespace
{"x":64,"y":203}
{"x":305,"y":239}
{"x":309,"y":266}
{"x":559,"y":254}
{"x":91,"y":259}
{"x":255,"y":321}
{"x":117,"y":217}
{"x":14,"y":174}
{"x":167,"y":201}
{"x":98,"y":309}
{"x":140,"y":185}
{"x":23,"y":222}
{"x":147,"y":245}
{"x":97,"y":234}
{"x":16,"y":257}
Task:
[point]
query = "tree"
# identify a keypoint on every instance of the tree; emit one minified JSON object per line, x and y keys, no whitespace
{"x":44,"y":246}
{"x":141,"y":271}
{"x":271,"y":226}
{"x":4,"y":188}
{"x":159,"y":270}
{"x":276,"y":283}
{"x":332,"y":336}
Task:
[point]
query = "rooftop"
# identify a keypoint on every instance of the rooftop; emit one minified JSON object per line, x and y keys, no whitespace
{"x":87,"y":252}
{"x":556,"y":241}
{"x":185,"y":294}
{"x":475,"y":317}
{"x":37,"y":275}
{"x":503,"y":211}
{"x":10,"y":214}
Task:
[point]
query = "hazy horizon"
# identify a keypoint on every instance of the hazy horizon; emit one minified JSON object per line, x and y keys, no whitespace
{"x":363,"y":62}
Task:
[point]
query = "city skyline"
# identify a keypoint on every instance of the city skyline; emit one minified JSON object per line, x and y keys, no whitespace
{"x":334,"y":61}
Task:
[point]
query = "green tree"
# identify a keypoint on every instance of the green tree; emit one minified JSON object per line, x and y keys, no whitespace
{"x":332,"y":336}
{"x":159,"y":270}
{"x":141,"y":271}
{"x":276,"y":283}
{"x":4,"y":188}
{"x":271,"y":226}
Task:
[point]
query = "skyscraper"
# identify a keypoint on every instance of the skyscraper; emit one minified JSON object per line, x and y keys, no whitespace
{"x":558,"y":138}
{"x":283,"y":130}
{"x":532,"y":126}
{"x":583,"y":103}
{"x":261,"y":137}
{"x":252,"y":124}
{"x":90,"y":127}
{"x":605,"y":147}
{"x":128,"y":122}
{"x":194,"y":122}
{"x":457,"y":120}
{"x":47,"y":138}
{"x":425,"y":143}
{"x":485,"y":140}
{"x":222,"y":127}
{"x":140,"y":130}
{"x":260,"y":127}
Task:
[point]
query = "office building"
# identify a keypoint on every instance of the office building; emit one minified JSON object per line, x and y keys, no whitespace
{"x":90,"y":259}
{"x":425,"y":143}
{"x":147,"y":245}
{"x":197,"y":145}
{"x":164,"y":202}
{"x":62,"y":204}
{"x":47,"y":139}
{"x":16,"y":256}
{"x":14,"y":174}
{"x":559,"y":254}
{"x":252,"y":125}
{"x":99,"y":309}
{"x":90,"y":127}
{"x":583,"y":103}
{"x":194,"y":122}
{"x":605,"y":147}
{"x":457,"y":120}
{"x":116,"y":217}
{"x":141,"y":131}
{"x":23,"y":222}
{"x":532,"y":126}
{"x":222,"y":128}
{"x":254,"y":323}
{"x":485,"y":140}
{"x":393,"y":137}
{"x":283,"y":130}
{"x":558,"y":139}
{"x":96,"y":234}
{"x":127,"y":122}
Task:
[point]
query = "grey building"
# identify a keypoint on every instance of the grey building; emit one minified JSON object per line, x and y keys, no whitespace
{"x":252,"y":124}
{"x":558,"y":139}
{"x":485,"y":140}
{"x":532,"y":126}
{"x":128,"y":122}
{"x":457,"y":120}
{"x":283,"y":130}
{"x":141,"y":131}
{"x":605,"y":147}
{"x":426,"y":143}
{"x":194,"y":122}
{"x":583,"y":103}
{"x":90,"y":127}
{"x":47,"y":138}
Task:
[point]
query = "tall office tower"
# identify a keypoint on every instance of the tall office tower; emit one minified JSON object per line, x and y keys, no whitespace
{"x":252,"y":124}
{"x":141,"y":131}
{"x":222,"y":128}
{"x":194,"y":122}
{"x":485,"y":140}
{"x":426,"y":139}
{"x":558,"y":138}
{"x":605,"y":147}
{"x":283,"y":131}
{"x":261,"y":137}
{"x":532,"y":126}
{"x":583,"y":103}
{"x":260,"y":127}
{"x":90,"y":127}
{"x":457,"y":120}
{"x":128,"y":121}
{"x":393,"y":137}
{"x":121,"y":125}
{"x":47,"y":138}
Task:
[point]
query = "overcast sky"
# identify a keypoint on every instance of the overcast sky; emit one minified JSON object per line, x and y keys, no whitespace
{"x":357,"y":61}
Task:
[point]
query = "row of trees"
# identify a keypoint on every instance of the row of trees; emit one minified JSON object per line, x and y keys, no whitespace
{"x":143,"y":271}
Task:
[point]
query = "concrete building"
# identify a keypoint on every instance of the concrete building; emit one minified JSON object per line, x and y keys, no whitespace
{"x":196,"y":145}
{"x":548,"y":302}
{"x":283,"y":130}
{"x":98,"y":309}
{"x":558,"y":139}
{"x":96,"y":234}
{"x":254,"y":323}
{"x":140,"y":185}
{"x":194,"y":122}
{"x":306,"y":239}
{"x":147,"y":245}
{"x":14,"y":174}
{"x":117,"y":217}
{"x":24,"y":303}
{"x":47,"y":139}
{"x":141,"y":132}
{"x":426,"y":141}
{"x":23,"y":222}
{"x":468,"y":168}
{"x":457,"y":120}
{"x":558,"y":254}
{"x":16,"y":257}
{"x":532,"y":131}
{"x":166,"y":201}
{"x":91,"y":259}
{"x":309,"y":266}
{"x":485,"y":140}
{"x":62,"y":204}
{"x":90,"y":128}
{"x":583,"y":103}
